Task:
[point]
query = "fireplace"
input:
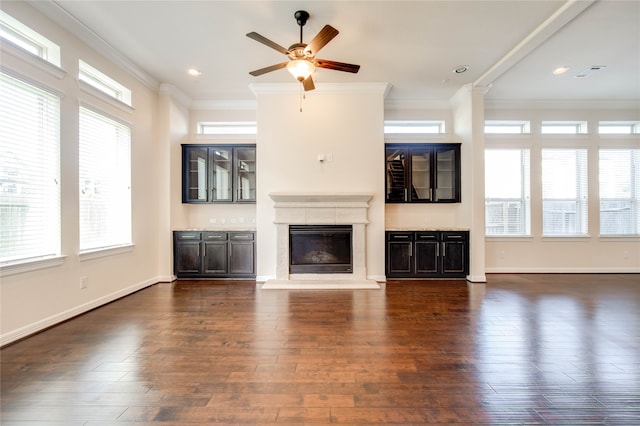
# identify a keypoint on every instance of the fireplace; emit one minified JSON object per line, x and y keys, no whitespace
{"x":324,"y":211}
{"x":322,"y":249}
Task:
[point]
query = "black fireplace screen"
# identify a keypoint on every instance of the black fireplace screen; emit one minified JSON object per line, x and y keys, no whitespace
{"x":320,"y":249}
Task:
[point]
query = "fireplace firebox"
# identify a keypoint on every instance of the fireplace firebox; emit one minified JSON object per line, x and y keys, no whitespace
{"x":320,"y":249}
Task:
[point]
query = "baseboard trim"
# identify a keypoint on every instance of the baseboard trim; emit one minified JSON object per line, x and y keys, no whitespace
{"x":45,"y":323}
{"x":568,"y":270}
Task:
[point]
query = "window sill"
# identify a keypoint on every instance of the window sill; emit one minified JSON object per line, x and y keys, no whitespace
{"x":508,"y":238}
{"x":105,"y":252}
{"x":33,"y":60}
{"x":24,"y":266}
{"x":619,"y":238}
{"x":556,"y":238}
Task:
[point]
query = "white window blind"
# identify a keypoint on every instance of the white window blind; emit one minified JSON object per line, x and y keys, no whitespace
{"x":507,"y":196}
{"x":564,"y":192}
{"x":29,"y":171}
{"x":105,"y":181}
{"x":619,"y":191}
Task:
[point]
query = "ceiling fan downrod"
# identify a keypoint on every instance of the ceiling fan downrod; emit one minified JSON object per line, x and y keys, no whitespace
{"x":301,"y":18}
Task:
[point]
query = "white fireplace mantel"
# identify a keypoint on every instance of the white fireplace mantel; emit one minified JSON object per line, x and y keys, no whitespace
{"x":298,"y":208}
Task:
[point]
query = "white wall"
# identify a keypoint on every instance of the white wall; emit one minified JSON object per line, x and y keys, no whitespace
{"x":341,"y":121}
{"x":34,"y":300}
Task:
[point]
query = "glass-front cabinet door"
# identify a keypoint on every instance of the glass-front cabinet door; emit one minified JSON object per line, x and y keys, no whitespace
{"x":246,"y":174}
{"x":222,"y":173}
{"x":195,"y":175}
{"x":422,"y":173}
{"x":446,"y":184}
{"x":218,"y":173}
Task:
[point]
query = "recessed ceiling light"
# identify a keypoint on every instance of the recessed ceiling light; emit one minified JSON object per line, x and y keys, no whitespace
{"x":194,"y":72}
{"x":460,"y":69}
{"x":560,"y":70}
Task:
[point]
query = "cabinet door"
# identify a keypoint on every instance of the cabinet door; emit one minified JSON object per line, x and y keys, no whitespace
{"x":215,"y":259}
{"x":186,"y":257}
{"x":399,"y":254}
{"x":427,"y":248}
{"x":455,"y":262}
{"x":194,"y":175}
{"x":421,"y":174}
{"x":241,"y":256}
{"x":447,"y":177}
{"x":396,"y":170}
{"x":221,"y":173}
{"x":245,"y":185}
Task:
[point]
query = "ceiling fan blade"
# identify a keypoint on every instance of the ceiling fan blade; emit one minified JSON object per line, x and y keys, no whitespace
{"x":326,"y":34}
{"x":338,"y":66}
{"x":268,"y":69}
{"x":257,"y":37}
{"x":308,"y":84}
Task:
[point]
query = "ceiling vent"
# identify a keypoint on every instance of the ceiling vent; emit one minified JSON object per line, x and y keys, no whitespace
{"x":588,"y":71}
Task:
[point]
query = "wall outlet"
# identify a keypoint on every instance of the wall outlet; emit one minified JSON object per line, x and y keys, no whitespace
{"x":83,"y":283}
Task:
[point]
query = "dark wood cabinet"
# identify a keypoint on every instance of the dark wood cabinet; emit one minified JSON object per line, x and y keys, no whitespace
{"x":218,"y":173}
{"x":427,"y":254}
{"x":210,"y":254}
{"x":422,"y":173}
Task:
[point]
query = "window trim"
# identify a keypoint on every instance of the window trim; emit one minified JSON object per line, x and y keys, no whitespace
{"x":547,"y":127}
{"x":24,"y":35}
{"x":523,"y":126}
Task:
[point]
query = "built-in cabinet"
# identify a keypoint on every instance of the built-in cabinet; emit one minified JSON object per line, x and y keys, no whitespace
{"x":218,"y":173}
{"x":427,"y":254}
{"x":422,"y":173}
{"x":211,"y":254}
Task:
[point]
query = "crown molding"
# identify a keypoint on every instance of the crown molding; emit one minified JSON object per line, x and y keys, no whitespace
{"x":563,"y":104}
{"x":66,"y":20}
{"x":321,"y":88}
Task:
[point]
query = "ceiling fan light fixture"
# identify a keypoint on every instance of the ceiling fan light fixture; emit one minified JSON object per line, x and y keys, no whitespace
{"x":301,"y":69}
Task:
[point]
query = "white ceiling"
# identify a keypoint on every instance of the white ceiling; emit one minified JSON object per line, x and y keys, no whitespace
{"x":510,"y":46}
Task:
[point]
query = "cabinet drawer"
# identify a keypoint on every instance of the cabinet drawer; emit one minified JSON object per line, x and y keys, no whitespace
{"x":399,"y":236}
{"x":241,"y":236}
{"x":426,"y":236}
{"x":214,"y":236}
{"x":187,"y":235}
{"x":455,"y":235}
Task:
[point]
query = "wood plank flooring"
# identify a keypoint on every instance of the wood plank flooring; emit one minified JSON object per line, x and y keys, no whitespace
{"x":524,"y":349}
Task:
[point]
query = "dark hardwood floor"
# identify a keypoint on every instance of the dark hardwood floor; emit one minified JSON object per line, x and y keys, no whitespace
{"x":524,"y":349}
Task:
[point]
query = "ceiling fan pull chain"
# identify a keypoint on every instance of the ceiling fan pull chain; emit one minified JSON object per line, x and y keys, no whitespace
{"x":301,"y":95}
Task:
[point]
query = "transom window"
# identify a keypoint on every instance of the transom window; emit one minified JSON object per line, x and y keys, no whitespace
{"x":564,"y":127}
{"x":18,"y":34}
{"x":507,"y":126}
{"x":416,"y":127}
{"x":103,"y":83}
{"x":227,"y":128}
{"x":618,"y":127}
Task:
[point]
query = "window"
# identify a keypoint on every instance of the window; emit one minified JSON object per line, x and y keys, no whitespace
{"x":619,"y":191}
{"x":104,"y":83}
{"x":227,"y":128}
{"x":413,"y":127}
{"x":105,"y":181}
{"x":564,"y":192}
{"x":618,"y":127}
{"x":507,"y":196}
{"x":507,"y":126}
{"x":564,"y":127}
{"x":29,"y":172}
{"x":18,"y":34}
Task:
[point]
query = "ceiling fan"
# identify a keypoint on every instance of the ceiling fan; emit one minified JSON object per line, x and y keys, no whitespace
{"x":302,"y":57}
